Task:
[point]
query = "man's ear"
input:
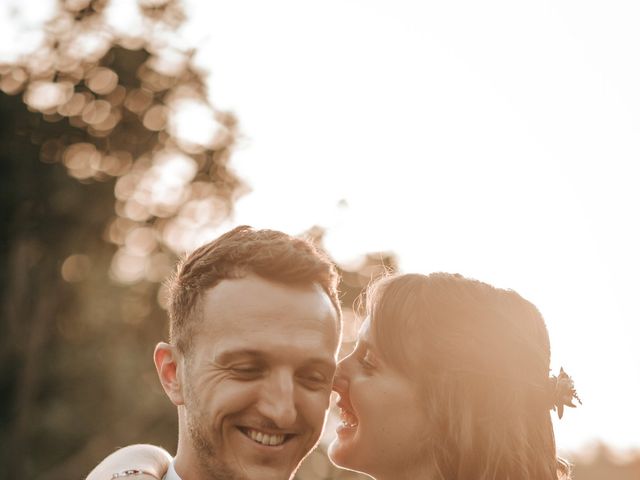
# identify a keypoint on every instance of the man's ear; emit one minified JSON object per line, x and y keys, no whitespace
{"x":170,"y":371}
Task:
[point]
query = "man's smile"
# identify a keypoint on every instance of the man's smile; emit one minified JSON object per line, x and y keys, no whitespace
{"x":267,"y":439}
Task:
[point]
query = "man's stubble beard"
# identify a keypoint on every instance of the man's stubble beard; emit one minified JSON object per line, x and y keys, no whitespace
{"x":210,"y":465}
{"x":213,"y":467}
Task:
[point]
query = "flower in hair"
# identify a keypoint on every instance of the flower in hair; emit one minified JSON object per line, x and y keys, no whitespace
{"x":562,"y":392}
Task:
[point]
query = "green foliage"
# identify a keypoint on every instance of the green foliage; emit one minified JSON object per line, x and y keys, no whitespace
{"x":603,"y":463}
{"x":87,"y":240}
{"x":99,"y":191}
{"x":86,"y":137}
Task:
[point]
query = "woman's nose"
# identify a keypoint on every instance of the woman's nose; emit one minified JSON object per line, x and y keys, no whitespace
{"x":341,"y":378}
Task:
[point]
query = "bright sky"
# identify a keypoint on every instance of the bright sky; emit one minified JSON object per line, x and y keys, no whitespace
{"x":497,"y":139}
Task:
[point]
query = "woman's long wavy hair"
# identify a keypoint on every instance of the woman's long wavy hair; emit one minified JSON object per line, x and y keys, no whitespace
{"x":480,"y":356}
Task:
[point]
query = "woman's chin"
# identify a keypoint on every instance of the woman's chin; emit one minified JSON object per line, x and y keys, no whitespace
{"x":341,"y":454}
{"x":336,"y":453}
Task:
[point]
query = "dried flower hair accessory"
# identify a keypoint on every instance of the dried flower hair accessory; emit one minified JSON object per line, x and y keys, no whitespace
{"x":562,"y":392}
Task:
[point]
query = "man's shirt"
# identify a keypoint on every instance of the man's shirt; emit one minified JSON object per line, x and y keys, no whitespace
{"x":171,"y":473}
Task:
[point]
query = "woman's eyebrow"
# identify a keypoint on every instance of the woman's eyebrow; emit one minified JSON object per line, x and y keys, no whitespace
{"x":366,"y":345}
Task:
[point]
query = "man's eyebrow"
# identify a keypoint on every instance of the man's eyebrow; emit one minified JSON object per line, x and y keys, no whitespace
{"x":321,"y":361}
{"x":231,"y":355}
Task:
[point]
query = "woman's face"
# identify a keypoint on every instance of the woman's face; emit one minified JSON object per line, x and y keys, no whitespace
{"x":383,"y":420}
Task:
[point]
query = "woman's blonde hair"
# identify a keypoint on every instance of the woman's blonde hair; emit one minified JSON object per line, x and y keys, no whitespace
{"x":480,"y":356}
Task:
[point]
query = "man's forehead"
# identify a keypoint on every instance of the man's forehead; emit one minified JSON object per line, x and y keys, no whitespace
{"x":253,"y":299}
{"x":277,"y":320}
{"x":269,"y":345}
{"x":249,"y":321}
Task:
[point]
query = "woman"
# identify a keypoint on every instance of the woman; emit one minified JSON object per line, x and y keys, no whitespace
{"x":449,"y":380}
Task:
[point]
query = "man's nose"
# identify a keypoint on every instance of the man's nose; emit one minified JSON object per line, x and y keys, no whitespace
{"x":277,"y":400}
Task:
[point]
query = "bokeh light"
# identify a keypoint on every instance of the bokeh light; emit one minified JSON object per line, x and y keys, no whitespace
{"x":75,"y":268}
{"x":135,"y":171}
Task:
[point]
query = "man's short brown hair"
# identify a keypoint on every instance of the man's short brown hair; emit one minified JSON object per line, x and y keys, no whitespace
{"x":270,"y":254}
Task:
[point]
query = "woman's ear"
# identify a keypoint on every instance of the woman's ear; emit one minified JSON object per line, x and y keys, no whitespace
{"x":169,"y":367}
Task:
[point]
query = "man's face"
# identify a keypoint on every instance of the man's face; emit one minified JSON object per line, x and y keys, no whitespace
{"x":258,"y":378}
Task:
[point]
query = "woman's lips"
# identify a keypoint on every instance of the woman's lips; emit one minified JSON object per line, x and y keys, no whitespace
{"x":348,"y":419}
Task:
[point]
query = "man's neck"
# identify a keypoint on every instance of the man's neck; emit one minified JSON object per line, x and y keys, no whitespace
{"x":187,"y":465}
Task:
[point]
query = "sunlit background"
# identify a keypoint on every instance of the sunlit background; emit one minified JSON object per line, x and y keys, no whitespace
{"x":495,"y":139}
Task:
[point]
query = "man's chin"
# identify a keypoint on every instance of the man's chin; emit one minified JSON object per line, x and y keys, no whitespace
{"x":253,"y":460}
{"x":262,"y":472}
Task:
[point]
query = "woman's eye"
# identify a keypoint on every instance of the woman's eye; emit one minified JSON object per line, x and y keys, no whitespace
{"x":367,"y":361}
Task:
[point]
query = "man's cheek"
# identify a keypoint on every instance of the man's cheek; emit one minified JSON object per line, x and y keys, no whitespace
{"x":322,"y":400}
{"x":317,"y":408}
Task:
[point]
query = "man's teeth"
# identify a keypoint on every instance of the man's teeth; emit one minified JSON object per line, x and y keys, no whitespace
{"x":348,"y":418}
{"x":265,"y":438}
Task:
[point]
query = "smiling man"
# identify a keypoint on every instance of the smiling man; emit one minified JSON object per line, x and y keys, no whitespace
{"x":254,"y":332}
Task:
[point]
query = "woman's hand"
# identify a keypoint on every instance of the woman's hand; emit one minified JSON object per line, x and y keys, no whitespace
{"x":153,"y":461}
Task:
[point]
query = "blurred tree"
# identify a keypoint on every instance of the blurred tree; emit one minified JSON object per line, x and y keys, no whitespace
{"x":112,"y":162}
{"x":604,"y":463}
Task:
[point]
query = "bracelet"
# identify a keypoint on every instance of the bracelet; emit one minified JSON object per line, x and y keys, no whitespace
{"x":128,"y":473}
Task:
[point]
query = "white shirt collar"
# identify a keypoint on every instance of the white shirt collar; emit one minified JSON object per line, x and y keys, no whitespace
{"x":171,"y":473}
